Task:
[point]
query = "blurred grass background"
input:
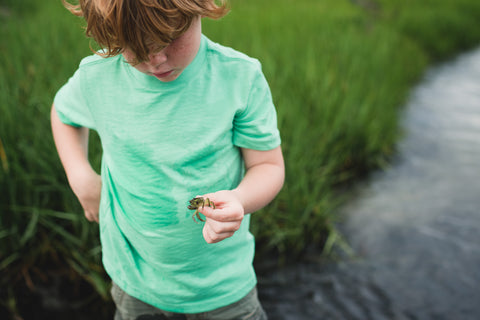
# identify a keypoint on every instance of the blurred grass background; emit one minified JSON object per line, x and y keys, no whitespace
{"x":339,"y":73}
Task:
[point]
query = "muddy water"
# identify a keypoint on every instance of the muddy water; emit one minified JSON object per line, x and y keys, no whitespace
{"x":414,"y":228}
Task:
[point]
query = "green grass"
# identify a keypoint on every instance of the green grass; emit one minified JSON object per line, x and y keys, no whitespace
{"x":339,"y":73}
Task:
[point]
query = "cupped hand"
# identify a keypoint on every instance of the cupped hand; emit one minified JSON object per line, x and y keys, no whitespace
{"x":223,"y":221}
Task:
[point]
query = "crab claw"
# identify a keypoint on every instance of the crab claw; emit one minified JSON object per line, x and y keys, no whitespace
{"x":199,"y":202}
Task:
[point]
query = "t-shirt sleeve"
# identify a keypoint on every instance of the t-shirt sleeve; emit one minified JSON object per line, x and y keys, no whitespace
{"x":71,"y":103}
{"x":255,"y":127}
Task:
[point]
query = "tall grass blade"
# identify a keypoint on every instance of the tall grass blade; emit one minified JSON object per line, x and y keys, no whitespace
{"x":3,"y":156}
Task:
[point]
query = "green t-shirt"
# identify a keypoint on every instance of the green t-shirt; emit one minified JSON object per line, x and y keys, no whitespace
{"x":163,"y":144}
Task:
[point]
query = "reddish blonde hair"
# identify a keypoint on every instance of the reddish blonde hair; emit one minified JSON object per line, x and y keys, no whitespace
{"x":140,"y":24}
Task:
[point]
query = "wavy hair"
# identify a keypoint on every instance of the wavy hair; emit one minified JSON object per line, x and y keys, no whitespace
{"x":140,"y":24}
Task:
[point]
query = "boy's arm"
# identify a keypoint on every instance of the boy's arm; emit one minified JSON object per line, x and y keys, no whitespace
{"x":72,"y":147}
{"x":263,"y":180}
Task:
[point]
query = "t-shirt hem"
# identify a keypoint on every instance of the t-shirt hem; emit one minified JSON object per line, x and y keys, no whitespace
{"x":63,"y":118}
{"x":188,"y":308}
{"x":255,"y":145}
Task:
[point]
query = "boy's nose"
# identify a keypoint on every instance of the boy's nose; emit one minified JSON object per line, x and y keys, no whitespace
{"x":157,"y":58}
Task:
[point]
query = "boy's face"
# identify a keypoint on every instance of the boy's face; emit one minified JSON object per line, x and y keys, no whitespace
{"x":168,"y":63}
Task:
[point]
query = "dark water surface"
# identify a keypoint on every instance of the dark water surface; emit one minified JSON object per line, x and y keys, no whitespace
{"x":415,"y":227}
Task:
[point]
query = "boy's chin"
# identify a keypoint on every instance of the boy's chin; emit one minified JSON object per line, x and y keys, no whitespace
{"x":167,"y":76}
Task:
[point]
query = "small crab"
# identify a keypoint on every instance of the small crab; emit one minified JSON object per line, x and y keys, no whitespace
{"x":198,"y":202}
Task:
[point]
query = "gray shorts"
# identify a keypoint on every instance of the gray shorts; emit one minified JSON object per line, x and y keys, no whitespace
{"x":130,"y":308}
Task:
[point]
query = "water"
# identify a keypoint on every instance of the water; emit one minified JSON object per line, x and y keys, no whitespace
{"x":415,"y":227}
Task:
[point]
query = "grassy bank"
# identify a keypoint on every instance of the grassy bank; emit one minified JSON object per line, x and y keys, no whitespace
{"x":339,"y":72}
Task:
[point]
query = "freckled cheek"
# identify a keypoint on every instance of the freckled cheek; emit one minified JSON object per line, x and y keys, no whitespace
{"x":179,"y":54}
{"x":172,"y":54}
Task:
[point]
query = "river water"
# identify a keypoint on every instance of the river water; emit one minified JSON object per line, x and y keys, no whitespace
{"x":414,"y":227}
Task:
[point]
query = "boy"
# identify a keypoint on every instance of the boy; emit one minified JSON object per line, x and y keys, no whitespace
{"x":178,"y":116}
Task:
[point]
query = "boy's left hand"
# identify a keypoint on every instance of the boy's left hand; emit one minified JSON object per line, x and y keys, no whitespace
{"x":225,"y":219}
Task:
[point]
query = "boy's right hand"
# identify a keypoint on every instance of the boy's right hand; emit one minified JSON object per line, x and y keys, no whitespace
{"x":87,"y":186}
{"x":72,"y":147}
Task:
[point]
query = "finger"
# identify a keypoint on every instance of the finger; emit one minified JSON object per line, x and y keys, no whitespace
{"x":223,"y":227}
{"x":207,"y":211}
{"x":212,"y":237}
{"x":92,"y":217}
{"x":226,"y":214}
{"x":88,"y":216}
